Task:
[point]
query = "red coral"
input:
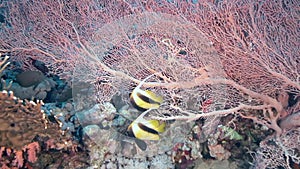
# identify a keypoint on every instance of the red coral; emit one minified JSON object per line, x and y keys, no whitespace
{"x":32,"y":149}
{"x":28,"y":153}
{"x":2,"y":149}
{"x":19,"y":160}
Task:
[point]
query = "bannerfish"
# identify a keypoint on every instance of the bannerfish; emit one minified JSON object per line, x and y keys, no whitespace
{"x":145,"y":99}
{"x":146,"y":129}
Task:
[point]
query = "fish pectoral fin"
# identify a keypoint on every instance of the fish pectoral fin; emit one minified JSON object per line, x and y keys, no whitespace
{"x":154,"y":97}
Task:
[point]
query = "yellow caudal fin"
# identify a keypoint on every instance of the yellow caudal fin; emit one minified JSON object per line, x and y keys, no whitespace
{"x":154,"y":96}
{"x":156,"y":125}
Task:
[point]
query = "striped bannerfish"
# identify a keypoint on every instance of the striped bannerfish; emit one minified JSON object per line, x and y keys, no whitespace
{"x":146,"y":129}
{"x":145,"y":99}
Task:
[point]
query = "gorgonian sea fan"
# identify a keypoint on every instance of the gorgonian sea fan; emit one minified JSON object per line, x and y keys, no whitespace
{"x":170,"y":47}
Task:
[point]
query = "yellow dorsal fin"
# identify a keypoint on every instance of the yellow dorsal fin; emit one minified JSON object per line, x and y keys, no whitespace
{"x":154,"y":96}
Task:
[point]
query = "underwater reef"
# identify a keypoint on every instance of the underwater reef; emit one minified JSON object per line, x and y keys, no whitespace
{"x":149,"y":84}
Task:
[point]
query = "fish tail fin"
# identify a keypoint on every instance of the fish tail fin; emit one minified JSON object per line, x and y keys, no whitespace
{"x":154,"y":97}
{"x":157,"y":125}
{"x":161,"y":128}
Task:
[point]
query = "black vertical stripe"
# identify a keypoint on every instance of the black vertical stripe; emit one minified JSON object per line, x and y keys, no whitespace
{"x":132,"y":101}
{"x":146,"y":99}
{"x":147,"y":129}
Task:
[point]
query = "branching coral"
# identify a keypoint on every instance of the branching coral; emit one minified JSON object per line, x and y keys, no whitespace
{"x":279,"y":152}
{"x":3,"y":63}
{"x":20,"y":121}
{"x":25,"y":131}
{"x":23,"y":126}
